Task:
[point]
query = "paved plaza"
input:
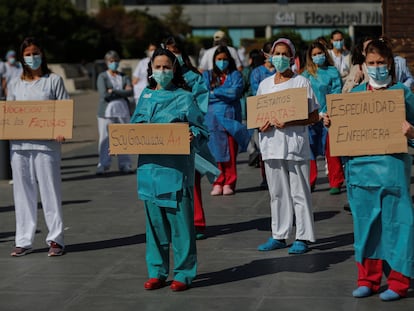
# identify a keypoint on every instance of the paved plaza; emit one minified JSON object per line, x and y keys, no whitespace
{"x":104,"y":267}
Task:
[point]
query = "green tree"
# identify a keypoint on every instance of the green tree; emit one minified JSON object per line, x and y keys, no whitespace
{"x":176,"y":22}
{"x":129,"y":33}
{"x":66,"y":33}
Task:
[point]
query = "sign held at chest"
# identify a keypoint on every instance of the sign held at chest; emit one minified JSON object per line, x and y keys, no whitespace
{"x":284,"y":106}
{"x":149,"y":138}
{"x":45,"y":119}
{"x":366,"y":123}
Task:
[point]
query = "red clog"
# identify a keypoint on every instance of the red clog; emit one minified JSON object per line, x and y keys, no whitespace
{"x":154,"y":283}
{"x":178,"y":286}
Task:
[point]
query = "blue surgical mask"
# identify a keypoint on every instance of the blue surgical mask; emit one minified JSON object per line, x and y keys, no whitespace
{"x":338,"y":44}
{"x":163,"y":77}
{"x":379,"y":73}
{"x":319,"y":59}
{"x":113,"y":66}
{"x":281,"y":62}
{"x":222,"y":64}
{"x":12,"y":60}
{"x":33,"y":61}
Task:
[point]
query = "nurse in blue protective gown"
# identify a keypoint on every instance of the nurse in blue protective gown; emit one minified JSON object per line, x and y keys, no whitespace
{"x":227,"y":134}
{"x":378,"y":189}
{"x":165,"y":182}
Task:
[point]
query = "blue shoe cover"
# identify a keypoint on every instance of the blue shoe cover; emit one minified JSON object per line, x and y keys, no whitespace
{"x":389,"y":295}
{"x":298,"y":247}
{"x":271,"y":244}
{"x":362,"y":291}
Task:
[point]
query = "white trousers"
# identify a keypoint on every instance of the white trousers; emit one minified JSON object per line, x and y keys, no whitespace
{"x":31,"y":168}
{"x":290,"y":198}
{"x":124,"y":160}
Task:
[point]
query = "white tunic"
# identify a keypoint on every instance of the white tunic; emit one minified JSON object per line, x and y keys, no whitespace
{"x":292,"y":142}
{"x":48,"y":87}
{"x":141,"y":72}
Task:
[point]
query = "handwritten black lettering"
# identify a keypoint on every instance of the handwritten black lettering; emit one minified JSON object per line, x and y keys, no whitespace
{"x":134,"y":139}
{"x":352,"y":109}
{"x":346,"y":134}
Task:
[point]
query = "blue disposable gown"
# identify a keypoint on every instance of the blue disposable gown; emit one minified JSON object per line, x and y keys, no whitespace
{"x":161,"y":178}
{"x":224,"y":115}
{"x":378,"y":189}
{"x":205,"y":163}
{"x":327,"y":81}
{"x":258,"y":75}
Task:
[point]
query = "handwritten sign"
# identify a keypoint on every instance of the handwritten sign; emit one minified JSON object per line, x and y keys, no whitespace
{"x":366,"y":123}
{"x":285,"y":106}
{"x":36,"y":119}
{"x":149,"y":138}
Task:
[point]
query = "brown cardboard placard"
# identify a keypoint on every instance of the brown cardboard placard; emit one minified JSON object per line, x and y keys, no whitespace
{"x":149,"y":138}
{"x":45,"y":119}
{"x":366,"y":123}
{"x":285,"y":106}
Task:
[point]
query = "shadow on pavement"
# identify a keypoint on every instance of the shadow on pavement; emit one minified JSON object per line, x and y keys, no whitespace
{"x":310,"y":263}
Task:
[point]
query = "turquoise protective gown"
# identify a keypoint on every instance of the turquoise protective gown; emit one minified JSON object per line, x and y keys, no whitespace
{"x":378,"y":189}
{"x":165,"y":184}
{"x":327,"y":81}
{"x":224,"y":115}
{"x":205,"y":163}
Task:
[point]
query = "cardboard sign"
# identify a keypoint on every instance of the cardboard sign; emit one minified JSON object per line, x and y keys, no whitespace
{"x":285,"y":106}
{"x":366,"y":123}
{"x":149,"y":138}
{"x":36,"y":119}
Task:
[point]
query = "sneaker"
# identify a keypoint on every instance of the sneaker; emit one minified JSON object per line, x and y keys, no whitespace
{"x":55,"y":249}
{"x":100,"y":170}
{"x":126,"y":169}
{"x":20,"y":251}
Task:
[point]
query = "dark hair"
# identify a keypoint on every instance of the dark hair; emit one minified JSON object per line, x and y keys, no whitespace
{"x":232,"y":64}
{"x":216,"y":71}
{"x":322,"y":40}
{"x":173,"y":41}
{"x":335,"y":32}
{"x":311,"y":67}
{"x":257,"y":58}
{"x":27,"y":72}
{"x":383,"y":47}
{"x":177,"y":80}
{"x":358,"y":57}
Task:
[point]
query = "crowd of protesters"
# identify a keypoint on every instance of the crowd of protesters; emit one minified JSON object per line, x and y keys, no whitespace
{"x":167,"y":88}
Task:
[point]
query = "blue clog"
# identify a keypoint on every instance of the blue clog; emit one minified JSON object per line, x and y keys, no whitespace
{"x":298,"y":247}
{"x":271,"y":244}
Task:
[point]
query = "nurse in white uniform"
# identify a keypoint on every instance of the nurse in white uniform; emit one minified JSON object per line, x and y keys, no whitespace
{"x":36,"y":162}
{"x":286,"y":153}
